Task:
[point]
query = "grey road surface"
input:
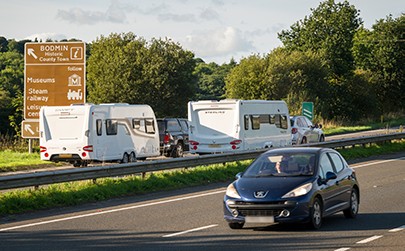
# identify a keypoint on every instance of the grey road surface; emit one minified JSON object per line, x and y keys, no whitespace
{"x":192,"y":219}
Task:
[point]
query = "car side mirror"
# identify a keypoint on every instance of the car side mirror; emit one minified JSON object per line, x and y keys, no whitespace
{"x":238,"y":175}
{"x":330,"y":176}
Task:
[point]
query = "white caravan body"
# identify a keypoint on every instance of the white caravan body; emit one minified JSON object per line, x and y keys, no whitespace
{"x":231,"y":125}
{"x":80,"y":134}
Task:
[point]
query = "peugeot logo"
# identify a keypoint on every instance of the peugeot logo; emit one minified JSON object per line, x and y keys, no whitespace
{"x":260,"y":194}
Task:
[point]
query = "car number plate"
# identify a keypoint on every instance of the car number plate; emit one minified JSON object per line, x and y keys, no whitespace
{"x":214,"y":146}
{"x":259,"y":219}
{"x":65,"y":155}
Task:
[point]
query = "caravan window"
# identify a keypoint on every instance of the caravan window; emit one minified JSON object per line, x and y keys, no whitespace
{"x":284,"y":124}
{"x":246,"y":122}
{"x":99,"y":127}
{"x":136,"y":123}
{"x":272,"y":119}
{"x":255,"y":122}
{"x":111,"y":127}
{"x":150,"y":126}
{"x":139,"y":124}
{"x":264,"y":119}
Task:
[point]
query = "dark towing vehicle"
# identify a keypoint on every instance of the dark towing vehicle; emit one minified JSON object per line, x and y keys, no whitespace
{"x":173,"y":134}
{"x":296,"y":184}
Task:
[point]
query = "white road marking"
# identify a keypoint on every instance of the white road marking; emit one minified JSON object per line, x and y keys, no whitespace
{"x":397,"y":229}
{"x":342,"y":249}
{"x":377,"y":162}
{"x":375,"y":237}
{"x":112,"y":211}
{"x":190,"y":230}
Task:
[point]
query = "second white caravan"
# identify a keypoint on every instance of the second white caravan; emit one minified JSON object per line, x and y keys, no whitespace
{"x":81,"y":134}
{"x":231,"y":125}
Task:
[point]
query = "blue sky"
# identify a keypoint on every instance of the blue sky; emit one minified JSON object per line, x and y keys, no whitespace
{"x":215,"y":30}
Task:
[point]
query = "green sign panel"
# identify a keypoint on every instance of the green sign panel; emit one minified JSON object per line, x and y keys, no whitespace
{"x":308,"y":110}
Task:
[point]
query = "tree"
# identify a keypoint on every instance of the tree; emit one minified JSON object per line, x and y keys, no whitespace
{"x":382,"y":52}
{"x":3,"y":44}
{"x":247,"y":80}
{"x":114,"y":69}
{"x":168,"y":77}
{"x":329,"y":30}
{"x":11,"y":86}
{"x":211,"y":79}
{"x":124,"y":68}
{"x":17,"y":46}
{"x":298,"y":77}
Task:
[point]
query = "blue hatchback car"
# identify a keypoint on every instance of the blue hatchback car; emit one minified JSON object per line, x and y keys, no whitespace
{"x":297,"y":184}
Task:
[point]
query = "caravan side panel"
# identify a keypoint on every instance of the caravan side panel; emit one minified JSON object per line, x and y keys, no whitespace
{"x":231,"y":125}
{"x":106,"y":132}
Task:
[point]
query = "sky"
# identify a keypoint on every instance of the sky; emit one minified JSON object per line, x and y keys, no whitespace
{"x":214,"y":30}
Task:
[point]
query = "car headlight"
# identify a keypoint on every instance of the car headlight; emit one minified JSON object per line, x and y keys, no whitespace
{"x":231,"y":192}
{"x":302,"y":190}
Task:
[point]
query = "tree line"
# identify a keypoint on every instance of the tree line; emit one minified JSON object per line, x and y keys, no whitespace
{"x":329,"y":58}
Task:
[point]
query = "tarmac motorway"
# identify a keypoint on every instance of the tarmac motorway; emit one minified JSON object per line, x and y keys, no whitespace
{"x":192,"y":219}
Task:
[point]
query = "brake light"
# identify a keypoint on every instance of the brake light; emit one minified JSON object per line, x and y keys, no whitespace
{"x":236,"y":142}
{"x":42,"y":149}
{"x":166,"y":138}
{"x":294,"y":130}
{"x":193,"y":143}
{"x":88,"y":148}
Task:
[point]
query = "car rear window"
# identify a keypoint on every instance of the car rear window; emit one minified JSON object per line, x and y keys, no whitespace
{"x":173,"y":125}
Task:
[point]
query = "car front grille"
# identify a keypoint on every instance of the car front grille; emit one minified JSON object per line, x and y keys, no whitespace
{"x":256,"y":212}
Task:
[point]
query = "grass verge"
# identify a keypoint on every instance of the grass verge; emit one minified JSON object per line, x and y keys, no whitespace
{"x":75,"y":193}
{"x":15,"y":161}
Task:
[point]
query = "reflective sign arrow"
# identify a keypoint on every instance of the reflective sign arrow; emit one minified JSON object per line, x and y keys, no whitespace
{"x":32,"y":53}
{"x":27,"y":127}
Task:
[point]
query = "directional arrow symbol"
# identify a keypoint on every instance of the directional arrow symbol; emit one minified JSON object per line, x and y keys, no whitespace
{"x":31,"y":53}
{"x":27,"y":127}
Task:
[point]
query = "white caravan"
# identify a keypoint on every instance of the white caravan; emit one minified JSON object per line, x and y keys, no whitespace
{"x":80,"y":134}
{"x":231,"y":125}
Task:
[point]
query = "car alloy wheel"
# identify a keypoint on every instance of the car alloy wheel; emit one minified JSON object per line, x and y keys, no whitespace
{"x":353,"y":209}
{"x":316,"y":214}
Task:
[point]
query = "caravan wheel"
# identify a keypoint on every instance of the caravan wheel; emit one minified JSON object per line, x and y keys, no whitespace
{"x":125,"y":158}
{"x":132,"y":157}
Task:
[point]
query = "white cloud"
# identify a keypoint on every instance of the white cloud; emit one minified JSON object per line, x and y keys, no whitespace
{"x":177,"y":18}
{"x":45,"y":36}
{"x":220,"y":42}
{"x":209,"y":14}
{"x":116,"y":13}
{"x":79,"y":16}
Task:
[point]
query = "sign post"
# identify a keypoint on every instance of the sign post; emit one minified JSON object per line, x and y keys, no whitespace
{"x":308,"y":110}
{"x":54,"y":74}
